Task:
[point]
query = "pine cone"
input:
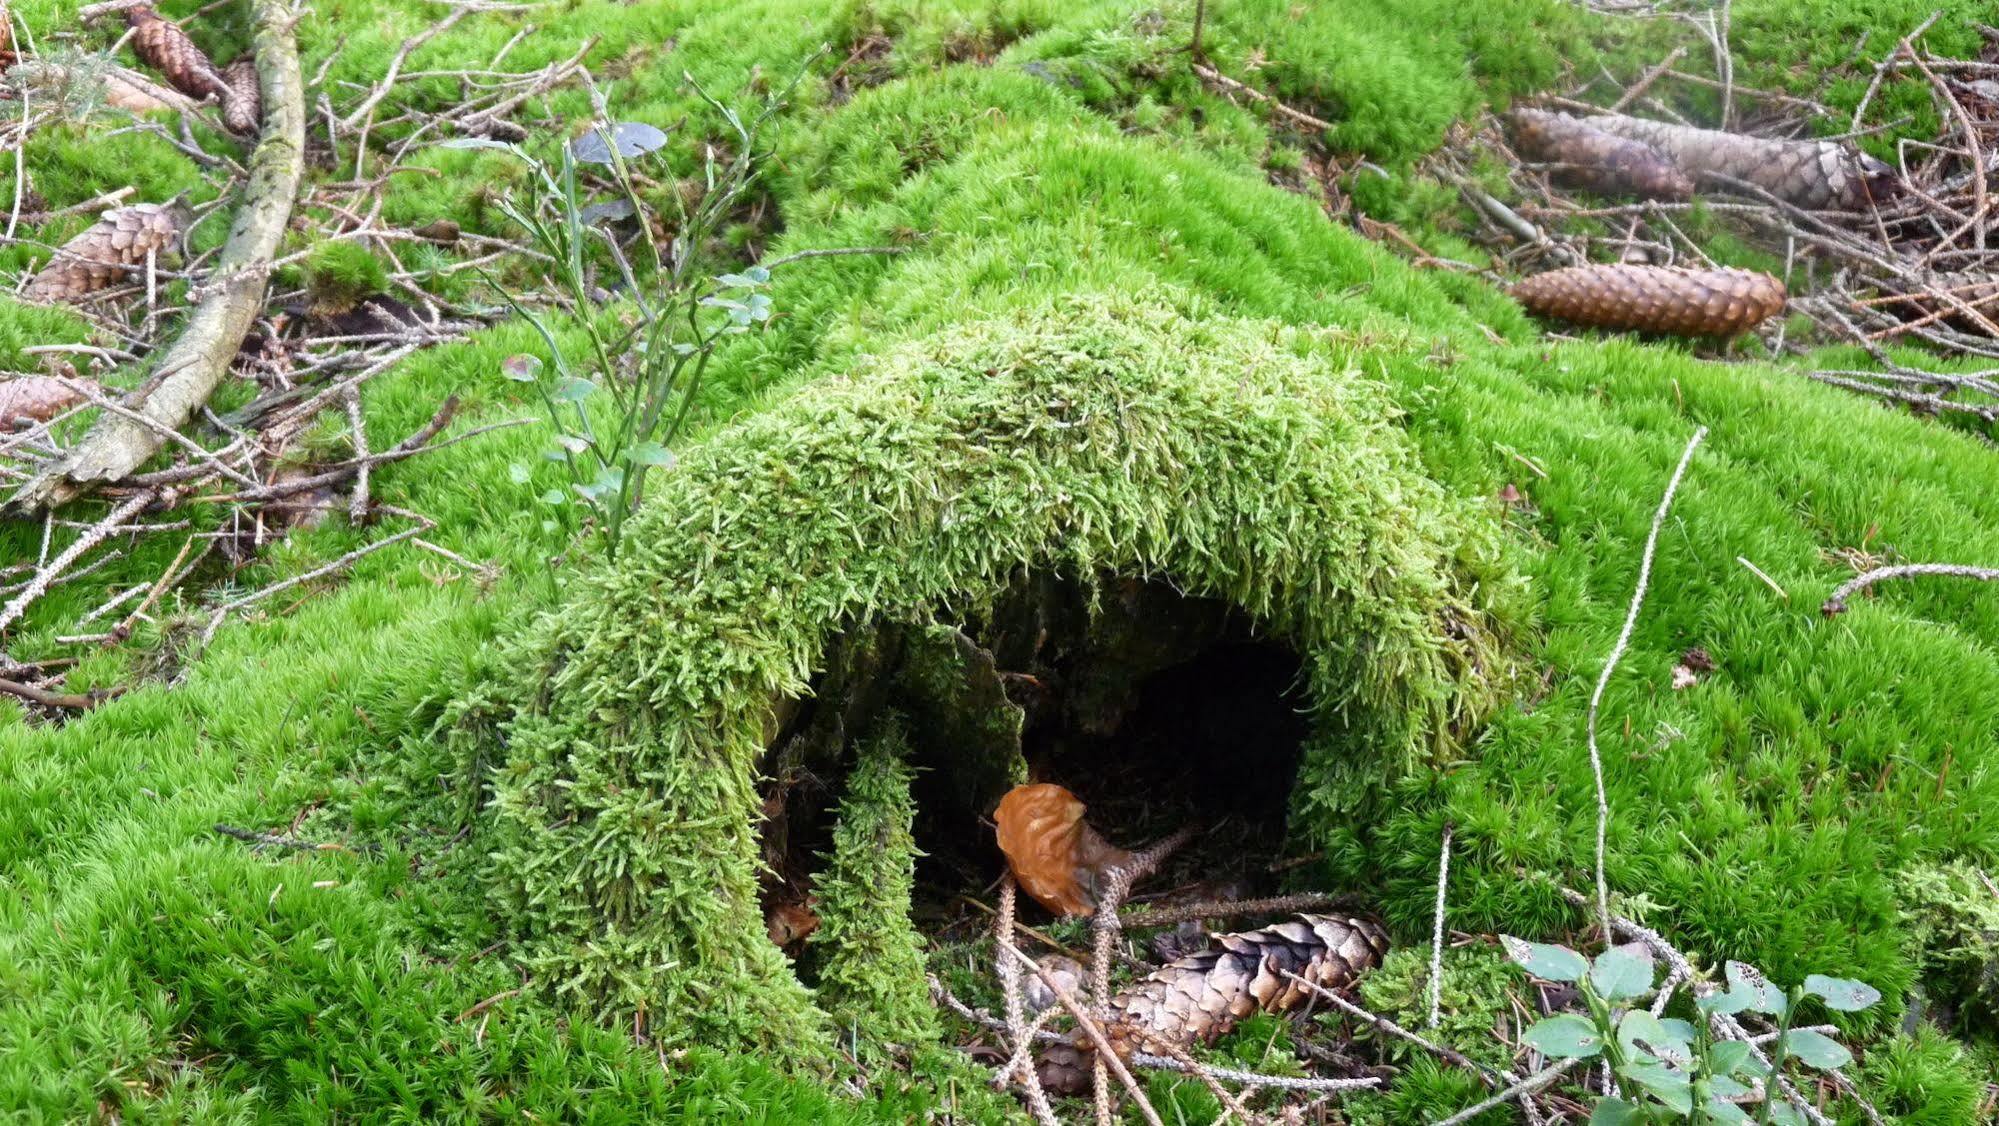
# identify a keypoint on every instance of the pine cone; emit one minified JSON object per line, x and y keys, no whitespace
{"x":34,"y":398}
{"x":243,"y":105}
{"x":1596,"y":160}
{"x":1668,"y":299}
{"x":167,"y":49}
{"x":104,"y":252}
{"x":1051,"y":850}
{"x":1809,"y":174}
{"x":1202,"y":996}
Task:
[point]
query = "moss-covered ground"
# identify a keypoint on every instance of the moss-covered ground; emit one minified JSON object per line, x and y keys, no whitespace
{"x":1793,"y":808}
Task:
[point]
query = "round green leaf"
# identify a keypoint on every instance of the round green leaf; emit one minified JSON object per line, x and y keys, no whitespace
{"x":1842,"y":994}
{"x":1727,"y":1057}
{"x":1622,"y":973}
{"x":1816,"y":1049}
{"x":1721,"y":1110}
{"x":1616,"y":1112}
{"x":574,"y":390}
{"x":521,"y":368}
{"x":1566,"y":1036}
{"x":1749,"y":981}
{"x":1544,"y":960}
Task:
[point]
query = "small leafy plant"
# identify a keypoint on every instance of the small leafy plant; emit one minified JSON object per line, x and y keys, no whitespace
{"x":620,"y":398}
{"x":1671,"y":1069}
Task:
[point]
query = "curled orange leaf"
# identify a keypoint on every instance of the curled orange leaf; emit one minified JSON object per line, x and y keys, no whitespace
{"x":1053,"y":853}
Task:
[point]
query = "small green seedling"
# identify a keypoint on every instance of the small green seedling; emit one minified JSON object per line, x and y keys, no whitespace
{"x":1670,"y":1069}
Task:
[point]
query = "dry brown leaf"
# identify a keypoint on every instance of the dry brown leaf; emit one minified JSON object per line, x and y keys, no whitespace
{"x":34,"y":398}
{"x":1053,"y":853}
{"x":105,"y":251}
{"x":1201,"y":997}
{"x":789,"y":922}
{"x":7,"y":56}
{"x":1668,"y":299}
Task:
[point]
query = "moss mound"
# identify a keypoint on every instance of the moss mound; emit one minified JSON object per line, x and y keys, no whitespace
{"x":1229,"y":458}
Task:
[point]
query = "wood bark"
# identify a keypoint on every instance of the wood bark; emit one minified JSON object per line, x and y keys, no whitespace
{"x":194,"y":365}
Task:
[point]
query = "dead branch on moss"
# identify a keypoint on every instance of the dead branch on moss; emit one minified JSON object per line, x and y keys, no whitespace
{"x":273,"y":840}
{"x":1836,"y":604}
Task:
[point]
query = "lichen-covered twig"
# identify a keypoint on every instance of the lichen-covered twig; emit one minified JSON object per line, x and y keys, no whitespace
{"x":1539,"y":1081}
{"x":1104,"y":1054}
{"x":1837,"y":603}
{"x":1610,"y":666}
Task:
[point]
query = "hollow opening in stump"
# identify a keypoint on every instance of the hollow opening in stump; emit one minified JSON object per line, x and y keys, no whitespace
{"x":1159,"y":710}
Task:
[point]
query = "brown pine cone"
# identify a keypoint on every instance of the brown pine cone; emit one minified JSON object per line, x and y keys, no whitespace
{"x":1202,"y":996}
{"x":105,"y":251}
{"x":7,"y":56}
{"x":1595,"y":160}
{"x":243,"y":105}
{"x":1668,"y":299}
{"x":1810,"y":174}
{"x":166,"y":48}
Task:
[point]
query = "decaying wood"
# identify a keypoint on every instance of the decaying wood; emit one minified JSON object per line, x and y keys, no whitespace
{"x":1598,"y":161}
{"x":105,"y":252}
{"x":191,"y":368}
{"x":1815,"y":175}
{"x":1199,"y":998}
{"x":1057,"y":857}
{"x":1667,"y":299}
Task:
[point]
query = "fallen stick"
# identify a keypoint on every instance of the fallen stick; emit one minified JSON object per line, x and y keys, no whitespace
{"x":1528,"y":1086}
{"x":1104,"y":1051}
{"x":67,"y":701}
{"x":196,"y":362}
{"x":1837,"y":603}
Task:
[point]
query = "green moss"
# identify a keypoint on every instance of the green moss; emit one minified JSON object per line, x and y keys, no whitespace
{"x":1131,"y":440}
{"x":871,"y":958}
{"x":339,"y":273}
{"x":1952,"y":926}
{"x":1767,"y":813}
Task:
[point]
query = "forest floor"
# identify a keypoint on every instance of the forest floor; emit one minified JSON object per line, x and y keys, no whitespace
{"x":1814,"y":794}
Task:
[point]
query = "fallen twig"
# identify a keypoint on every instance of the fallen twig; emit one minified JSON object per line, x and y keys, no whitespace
{"x":1610,"y":666}
{"x":1837,"y":603}
{"x":1534,"y":1083}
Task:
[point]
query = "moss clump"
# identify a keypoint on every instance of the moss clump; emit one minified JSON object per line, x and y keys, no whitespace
{"x":871,"y":978}
{"x":1951,"y":923}
{"x":1231,"y":458}
{"x":340,"y":274}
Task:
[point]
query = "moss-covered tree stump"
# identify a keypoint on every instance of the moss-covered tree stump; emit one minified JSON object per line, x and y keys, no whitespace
{"x":1233,"y":460}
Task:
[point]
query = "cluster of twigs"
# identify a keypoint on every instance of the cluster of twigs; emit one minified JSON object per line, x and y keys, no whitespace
{"x":231,"y":483}
{"x":1918,"y":267}
{"x":1112,"y":1071}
